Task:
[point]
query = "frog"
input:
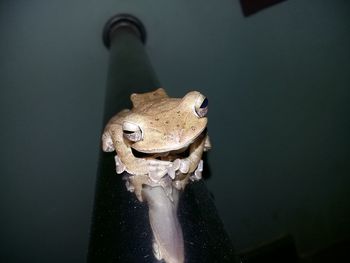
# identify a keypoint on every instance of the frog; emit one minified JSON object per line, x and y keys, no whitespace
{"x":159,"y":144}
{"x":160,"y":140}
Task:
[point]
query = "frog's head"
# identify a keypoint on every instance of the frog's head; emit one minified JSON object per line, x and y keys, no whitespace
{"x":158,"y":124}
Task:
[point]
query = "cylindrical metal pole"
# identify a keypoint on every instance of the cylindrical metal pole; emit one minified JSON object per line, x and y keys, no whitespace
{"x":129,"y":67}
{"x":120,"y":230}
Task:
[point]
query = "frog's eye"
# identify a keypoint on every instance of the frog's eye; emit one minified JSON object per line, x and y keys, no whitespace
{"x":132,"y":131}
{"x":201,"y":106}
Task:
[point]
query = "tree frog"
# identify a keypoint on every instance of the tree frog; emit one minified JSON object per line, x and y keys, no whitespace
{"x":159,"y":143}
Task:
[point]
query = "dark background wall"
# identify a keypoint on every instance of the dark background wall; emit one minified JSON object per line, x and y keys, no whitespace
{"x":278,"y":84}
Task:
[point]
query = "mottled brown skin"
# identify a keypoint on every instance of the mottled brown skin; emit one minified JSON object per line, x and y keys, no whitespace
{"x":159,"y":143}
{"x":169,"y":126}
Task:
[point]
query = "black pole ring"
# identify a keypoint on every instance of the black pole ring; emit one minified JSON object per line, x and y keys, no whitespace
{"x":123,"y":20}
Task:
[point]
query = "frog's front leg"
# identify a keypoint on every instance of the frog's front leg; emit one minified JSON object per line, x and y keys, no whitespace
{"x":192,"y":166}
{"x":196,"y":152}
{"x":141,"y":171}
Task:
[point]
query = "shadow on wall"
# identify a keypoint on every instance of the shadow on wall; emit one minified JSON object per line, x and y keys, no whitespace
{"x":250,"y":7}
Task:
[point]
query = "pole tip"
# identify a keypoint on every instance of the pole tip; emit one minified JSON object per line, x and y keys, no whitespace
{"x":123,"y":20}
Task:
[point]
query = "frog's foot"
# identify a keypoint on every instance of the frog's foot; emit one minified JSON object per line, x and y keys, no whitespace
{"x":174,"y":168}
{"x":179,"y":166}
{"x":157,"y":169}
{"x":197,"y":175}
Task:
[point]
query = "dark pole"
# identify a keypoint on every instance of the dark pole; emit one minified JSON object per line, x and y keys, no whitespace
{"x":117,"y":229}
{"x":129,"y":67}
{"x":120,"y":230}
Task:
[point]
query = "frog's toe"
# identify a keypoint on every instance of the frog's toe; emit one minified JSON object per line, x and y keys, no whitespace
{"x":120,"y":167}
{"x":107,"y":143}
{"x":184,"y":166}
{"x":173,"y":167}
{"x":197,"y":175}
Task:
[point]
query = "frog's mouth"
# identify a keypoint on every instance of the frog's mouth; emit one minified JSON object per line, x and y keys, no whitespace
{"x":170,"y":156}
{"x":164,"y":156}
